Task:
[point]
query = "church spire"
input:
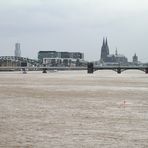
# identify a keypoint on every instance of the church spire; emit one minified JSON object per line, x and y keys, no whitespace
{"x":103,"y":41}
{"x":106,"y":42}
{"x":107,"y":48}
{"x":104,"y":50}
{"x":116,"y":52}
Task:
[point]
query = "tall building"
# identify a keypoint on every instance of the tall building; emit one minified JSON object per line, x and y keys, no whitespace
{"x":17,"y":52}
{"x":108,"y":58}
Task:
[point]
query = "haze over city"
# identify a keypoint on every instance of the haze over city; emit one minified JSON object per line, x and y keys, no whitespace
{"x":80,"y":25}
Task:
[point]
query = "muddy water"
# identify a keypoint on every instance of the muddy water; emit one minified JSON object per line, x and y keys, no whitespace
{"x":74,"y":110}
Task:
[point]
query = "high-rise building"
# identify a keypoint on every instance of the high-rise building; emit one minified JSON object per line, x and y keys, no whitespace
{"x":17,"y":52}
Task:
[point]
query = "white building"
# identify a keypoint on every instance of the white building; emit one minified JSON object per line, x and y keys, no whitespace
{"x":55,"y":58}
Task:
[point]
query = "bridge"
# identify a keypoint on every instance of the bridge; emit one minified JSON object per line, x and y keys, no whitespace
{"x":12,"y":63}
{"x":90,"y":68}
{"x":40,"y":68}
{"x":15,"y":61}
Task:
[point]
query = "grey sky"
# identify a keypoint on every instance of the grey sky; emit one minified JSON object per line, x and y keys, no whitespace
{"x":74,"y":25}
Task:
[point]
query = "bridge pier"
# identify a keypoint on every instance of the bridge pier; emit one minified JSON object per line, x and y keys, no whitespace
{"x":146,"y":70}
{"x":119,"y":70}
{"x":24,"y":70}
{"x":90,"y":67}
{"x":44,"y":70}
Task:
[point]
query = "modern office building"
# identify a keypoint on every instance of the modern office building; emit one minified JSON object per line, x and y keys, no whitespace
{"x":17,"y":52}
{"x":55,"y":58}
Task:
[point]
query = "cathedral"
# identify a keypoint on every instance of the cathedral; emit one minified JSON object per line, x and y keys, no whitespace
{"x":108,"y":58}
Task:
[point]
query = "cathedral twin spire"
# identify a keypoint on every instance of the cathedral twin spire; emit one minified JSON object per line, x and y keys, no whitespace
{"x":104,"y":49}
{"x":105,"y":41}
{"x":111,"y":58}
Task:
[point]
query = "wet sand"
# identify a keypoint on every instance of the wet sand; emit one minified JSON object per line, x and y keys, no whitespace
{"x":74,"y":110}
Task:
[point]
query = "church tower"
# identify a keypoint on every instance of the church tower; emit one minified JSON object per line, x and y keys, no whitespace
{"x":104,"y":50}
{"x":135,"y":59}
{"x":107,"y":48}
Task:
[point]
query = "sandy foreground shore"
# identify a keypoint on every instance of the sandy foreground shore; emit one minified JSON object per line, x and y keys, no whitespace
{"x":74,"y":110}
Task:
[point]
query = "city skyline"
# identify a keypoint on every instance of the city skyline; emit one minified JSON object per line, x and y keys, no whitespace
{"x":74,"y":26}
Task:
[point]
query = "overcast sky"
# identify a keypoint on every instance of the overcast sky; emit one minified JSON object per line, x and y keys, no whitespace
{"x":74,"y":25}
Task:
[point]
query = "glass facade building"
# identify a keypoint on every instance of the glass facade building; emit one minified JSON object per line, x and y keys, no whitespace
{"x":54,"y":58}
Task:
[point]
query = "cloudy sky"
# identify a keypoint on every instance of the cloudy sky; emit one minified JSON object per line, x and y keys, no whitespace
{"x":74,"y":25}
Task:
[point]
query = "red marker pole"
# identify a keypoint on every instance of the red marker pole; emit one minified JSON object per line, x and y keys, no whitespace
{"x":124,"y":103}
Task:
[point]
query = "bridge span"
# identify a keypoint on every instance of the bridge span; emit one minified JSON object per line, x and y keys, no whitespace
{"x":9,"y":61}
{"x":119,"y":69}
{"x":90,"y":68}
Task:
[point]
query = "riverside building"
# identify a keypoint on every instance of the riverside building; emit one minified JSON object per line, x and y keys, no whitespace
{"x":55,"y":58}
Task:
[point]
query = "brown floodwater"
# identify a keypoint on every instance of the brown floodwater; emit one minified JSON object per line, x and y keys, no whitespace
{"x":73,"y":109}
